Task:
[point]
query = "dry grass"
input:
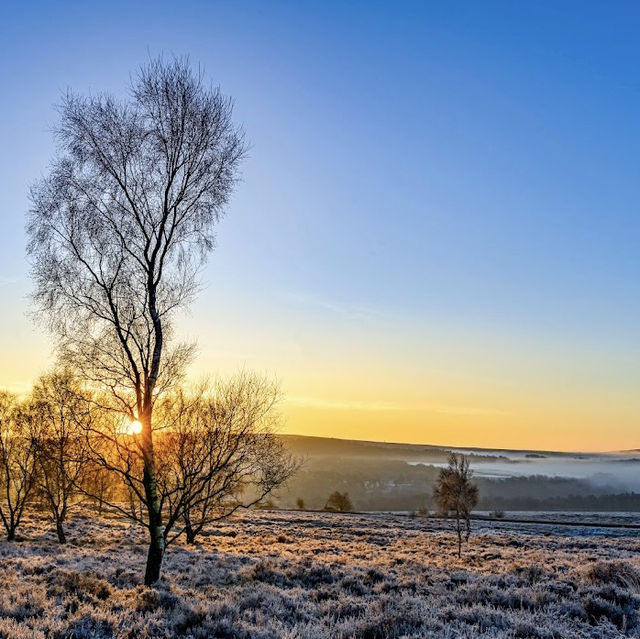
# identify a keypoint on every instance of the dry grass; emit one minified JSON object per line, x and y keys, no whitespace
{"x":298,"y":575}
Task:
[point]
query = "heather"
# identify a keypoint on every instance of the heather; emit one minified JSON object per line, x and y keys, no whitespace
{"x":270,"y":574}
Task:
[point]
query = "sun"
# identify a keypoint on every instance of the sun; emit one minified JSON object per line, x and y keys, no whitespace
{"x":135,"y":427}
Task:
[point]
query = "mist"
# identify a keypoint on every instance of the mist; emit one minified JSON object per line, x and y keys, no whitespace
{"x":620,"y":471}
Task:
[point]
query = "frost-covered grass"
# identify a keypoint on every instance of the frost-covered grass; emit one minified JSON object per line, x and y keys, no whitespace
{"x":313,"y":575}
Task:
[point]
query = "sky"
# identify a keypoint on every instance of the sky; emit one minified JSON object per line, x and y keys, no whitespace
{"x":437,"y":234}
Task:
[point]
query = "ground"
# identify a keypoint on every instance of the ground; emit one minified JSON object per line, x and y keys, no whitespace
{"x":314,"y":575}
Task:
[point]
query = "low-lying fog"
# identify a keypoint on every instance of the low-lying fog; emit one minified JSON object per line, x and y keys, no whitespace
{"x":618,"y":470}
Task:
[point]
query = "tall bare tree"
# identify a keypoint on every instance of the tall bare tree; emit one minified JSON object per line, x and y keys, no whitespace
{"x":57,"y":412}
{"x":456,"y":495}
{"x":17,"y":463}
{"x":118,"y":231}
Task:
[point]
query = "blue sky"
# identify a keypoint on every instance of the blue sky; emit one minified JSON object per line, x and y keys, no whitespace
{"x":452,"y":185}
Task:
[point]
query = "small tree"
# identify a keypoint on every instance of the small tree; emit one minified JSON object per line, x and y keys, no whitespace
{"x":456,"y":495}
{"x":56,"y":411}
{"x":219,"y":452}
{"x":300,"y":503}
{"x":216,"y":452}
{"x":17,"y":463}
{"x":339,"y":502}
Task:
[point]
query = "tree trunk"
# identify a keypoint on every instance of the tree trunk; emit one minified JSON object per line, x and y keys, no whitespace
{"x":154,"y":556}
{"x":191,"y":533}
{"x":156,"y":529}
{"x":62,"y":538}
{"x":11,"y":534}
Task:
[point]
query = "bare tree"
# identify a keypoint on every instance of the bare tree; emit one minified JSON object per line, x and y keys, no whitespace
{"x":216,"y":452}
{"x":56,"y":411}
{"x":100,"y":485}
{"x":220,"y":452}
{"x":456,"y":495}
{"x":118,"y":232}
{"x":339,"y":501}
{"x":17,"y":463}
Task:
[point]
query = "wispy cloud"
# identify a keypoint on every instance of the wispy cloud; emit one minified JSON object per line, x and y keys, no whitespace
{"x":5,"y":280}
{"x":339,"y":404}
{"x":465,"y":410}
{"x":376,"y":406}
{"x":351,"y":311}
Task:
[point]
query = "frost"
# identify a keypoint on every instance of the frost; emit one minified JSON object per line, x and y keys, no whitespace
{"x":296,"y":575}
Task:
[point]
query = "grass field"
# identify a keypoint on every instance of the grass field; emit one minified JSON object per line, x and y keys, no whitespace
{"x":311,"y":575}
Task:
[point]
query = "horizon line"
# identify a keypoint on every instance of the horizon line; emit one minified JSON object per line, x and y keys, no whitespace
{"x":471,"y":448}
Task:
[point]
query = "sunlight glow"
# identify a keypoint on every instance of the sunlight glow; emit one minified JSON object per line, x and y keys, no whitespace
{"x":135,"y":427}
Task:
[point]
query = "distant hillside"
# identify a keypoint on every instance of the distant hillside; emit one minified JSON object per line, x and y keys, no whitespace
{"x":393,"y":476}
{"x":306,"y":446}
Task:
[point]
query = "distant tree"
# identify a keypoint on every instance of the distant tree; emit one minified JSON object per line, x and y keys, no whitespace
{"x":17,"y":462}
{"x":340,"y":502}
{"x":456,"y":495}
{"x":55,"y":411}
{"x":100,"y":486}
{"x":300,"y":503}
{"x":118,"y":232}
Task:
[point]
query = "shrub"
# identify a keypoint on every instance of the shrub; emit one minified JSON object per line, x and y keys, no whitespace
{"x":616,"y":572}
{"x":83,"y":586}
{"x":598,"y":609}
{"x":531,"y":573}
{"x":339,"y":502}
